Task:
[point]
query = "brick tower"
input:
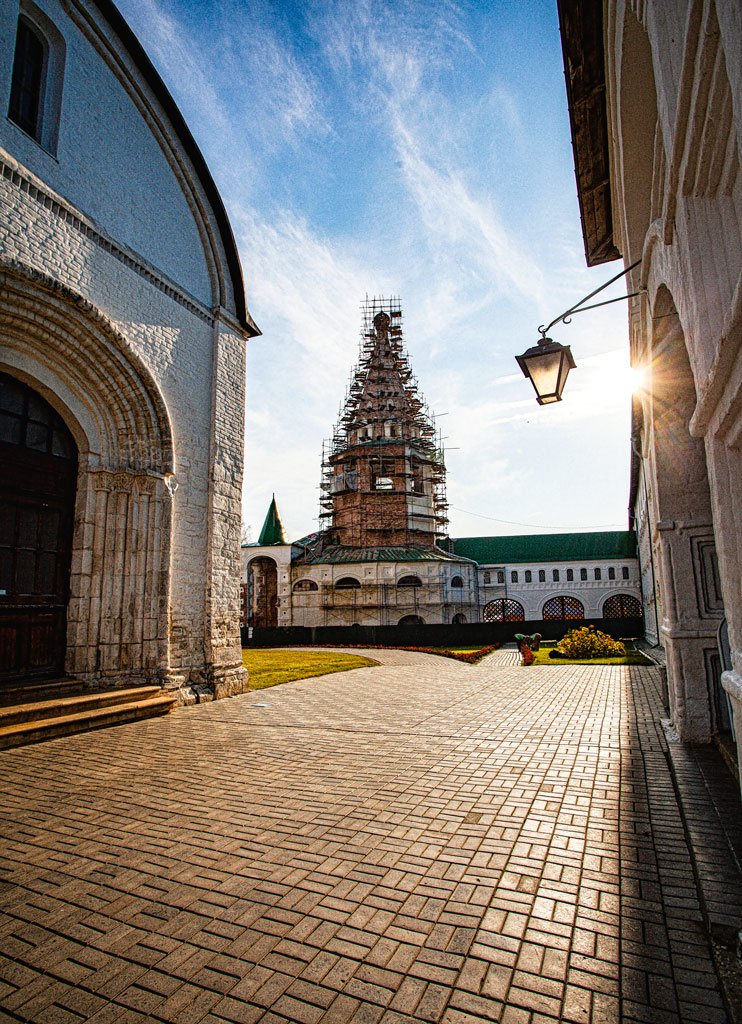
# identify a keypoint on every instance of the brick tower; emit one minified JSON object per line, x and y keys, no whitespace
{"x":383,"y":482}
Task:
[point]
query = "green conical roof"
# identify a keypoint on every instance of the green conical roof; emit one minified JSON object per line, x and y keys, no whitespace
{"x":272,"y":532}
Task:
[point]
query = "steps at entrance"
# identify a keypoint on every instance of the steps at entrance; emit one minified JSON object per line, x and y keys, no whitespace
{"x":30,"y":692}
{"x":62,"y":715}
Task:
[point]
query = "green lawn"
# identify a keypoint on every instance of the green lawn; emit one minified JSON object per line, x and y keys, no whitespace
{"x":633,"y":657}
{"x":268,"y":668}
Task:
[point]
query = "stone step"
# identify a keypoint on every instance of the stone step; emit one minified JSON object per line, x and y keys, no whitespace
{"x":47,"y":689}
{"x":36,"y":730}
{"x":59,"y":706}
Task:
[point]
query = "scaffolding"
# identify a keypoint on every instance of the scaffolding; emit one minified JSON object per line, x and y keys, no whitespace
{"x":383,"y":470}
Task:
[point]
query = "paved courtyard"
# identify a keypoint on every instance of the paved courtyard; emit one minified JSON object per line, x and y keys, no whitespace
{"x":423,"y":841}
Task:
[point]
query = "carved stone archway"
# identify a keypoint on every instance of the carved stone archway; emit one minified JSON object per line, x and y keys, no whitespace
{"x":57,"y":343}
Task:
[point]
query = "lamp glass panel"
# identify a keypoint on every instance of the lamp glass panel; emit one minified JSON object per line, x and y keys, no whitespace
{"x":545,"y":371}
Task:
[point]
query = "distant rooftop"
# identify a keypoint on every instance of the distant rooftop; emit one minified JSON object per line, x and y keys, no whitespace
{"x":340,"y":554}
{"x":555,"y":547}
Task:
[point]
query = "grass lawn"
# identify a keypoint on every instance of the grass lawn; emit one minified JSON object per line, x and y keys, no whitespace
{"x":633,"y":657}
{"x":268,"y":668}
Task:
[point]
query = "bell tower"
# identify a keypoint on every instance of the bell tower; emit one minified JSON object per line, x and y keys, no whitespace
{"x":383,"y":474}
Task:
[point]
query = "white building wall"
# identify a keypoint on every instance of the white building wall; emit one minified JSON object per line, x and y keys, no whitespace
{"x":132,"y":184}
{"x":532,"y":596}
{"x":121,"y":218}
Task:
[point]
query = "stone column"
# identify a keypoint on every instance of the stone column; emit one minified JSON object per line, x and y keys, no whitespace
{"x":222,"y":648}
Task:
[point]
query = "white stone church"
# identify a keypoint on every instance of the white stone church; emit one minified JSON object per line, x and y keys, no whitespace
{"x":123,"y":325}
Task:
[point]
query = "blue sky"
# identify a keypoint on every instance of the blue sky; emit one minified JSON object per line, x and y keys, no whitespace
{"x":418,"y":149}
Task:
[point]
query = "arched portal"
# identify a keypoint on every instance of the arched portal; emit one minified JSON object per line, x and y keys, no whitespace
{"x":684,"y":534}
{"x":262,"y":591}
{"x":61,"y":348}
{"x":38,"y":468}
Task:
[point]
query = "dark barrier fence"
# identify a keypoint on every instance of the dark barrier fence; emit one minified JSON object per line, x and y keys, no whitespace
{"x":465,"y":634}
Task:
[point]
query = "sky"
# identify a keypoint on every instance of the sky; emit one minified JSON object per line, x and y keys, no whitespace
{"x":420,"y":149}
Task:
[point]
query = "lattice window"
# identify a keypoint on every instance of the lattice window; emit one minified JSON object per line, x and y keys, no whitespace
{"x":555,"y":575}
{"x":504,"y":610}
{"x":542,"y":575}
{"x":598,"y":574}
{"x":514,"y":576}
{"x":563,"y":608}
{"x":622,"y":606}
{"x":529,"y":575}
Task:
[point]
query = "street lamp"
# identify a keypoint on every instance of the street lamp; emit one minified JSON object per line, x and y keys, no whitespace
{"x":547,"y":363}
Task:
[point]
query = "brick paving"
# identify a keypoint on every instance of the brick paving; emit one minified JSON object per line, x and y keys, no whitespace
{"x":422,"y":841}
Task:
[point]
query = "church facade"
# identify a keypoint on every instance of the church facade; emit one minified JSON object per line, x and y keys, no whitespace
{"x":382,"y":556}
{"x":122,"y":363}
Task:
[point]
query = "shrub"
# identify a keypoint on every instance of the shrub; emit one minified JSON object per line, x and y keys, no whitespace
{"x":589,"y":642}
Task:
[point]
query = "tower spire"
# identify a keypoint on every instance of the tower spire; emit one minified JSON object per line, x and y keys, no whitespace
{"x":272,"y":532}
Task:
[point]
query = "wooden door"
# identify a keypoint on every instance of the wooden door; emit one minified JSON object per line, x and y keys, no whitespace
{"x":38,"y":474}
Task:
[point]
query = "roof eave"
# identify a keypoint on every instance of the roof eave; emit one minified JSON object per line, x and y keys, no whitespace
{"x":581,"y":30}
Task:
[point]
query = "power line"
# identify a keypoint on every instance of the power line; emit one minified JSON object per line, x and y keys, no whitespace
{"x":533,"y":526}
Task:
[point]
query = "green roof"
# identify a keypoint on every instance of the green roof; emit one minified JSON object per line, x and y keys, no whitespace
{"x":555,"y":547}
{"x":272,"y":532}
{"x":339,"y":554}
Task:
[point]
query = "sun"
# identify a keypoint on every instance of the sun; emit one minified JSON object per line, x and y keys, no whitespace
{"x":636,"y":379}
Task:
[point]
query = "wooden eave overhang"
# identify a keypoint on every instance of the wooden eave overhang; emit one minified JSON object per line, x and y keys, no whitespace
{"x":581,"y":29}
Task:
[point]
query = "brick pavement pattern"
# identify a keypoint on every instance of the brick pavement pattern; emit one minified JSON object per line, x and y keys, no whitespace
{"x":421,"y":841}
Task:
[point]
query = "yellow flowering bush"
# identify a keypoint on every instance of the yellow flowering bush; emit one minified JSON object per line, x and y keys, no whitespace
{"x":589,"y":642}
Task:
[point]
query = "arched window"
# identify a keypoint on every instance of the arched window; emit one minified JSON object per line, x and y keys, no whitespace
{"x":456,"y":581}
{"x":347,"y":583}
{"x":542,"y":576}
{"x":37,"y":76}
{"x":28,"y":77}
{"x":514,"y":576}
{"x":563,"y":608}
{"x":487,"y":579}
{"x":597,"y":573}
{"x":570,"y":575}
{"x":611,"y":573}
{"x":500,"y":576}
{"x":622,"y":606}
{"x":410,"y":581}
{"x":583,"y":574}
{"x":305,"y":585}
{"x":529,"y":575}
{"x":410,"y":620}
{"x":458,"y":618}
{"x":625,"y":572}
{"x":503,"y":609}
{"x":555,"y":575}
